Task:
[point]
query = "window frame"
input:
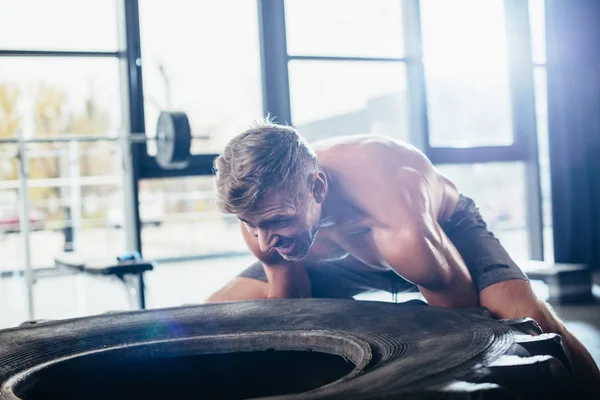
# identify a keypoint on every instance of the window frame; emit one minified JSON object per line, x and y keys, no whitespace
{"x":276,"y":100}
{"x":276,"y":95}
{"x":524,"y":148}
{"x":127,"y":19}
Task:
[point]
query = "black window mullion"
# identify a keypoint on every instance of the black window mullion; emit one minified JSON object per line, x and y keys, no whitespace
{"x":522,"y":97}
{"x":274,"y":60}
{"x":52,"y":53}
{"x":415,"y":75}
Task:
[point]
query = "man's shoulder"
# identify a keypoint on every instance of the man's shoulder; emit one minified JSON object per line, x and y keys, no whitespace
{"x":371,"y":154}
{"x":366,"y":148}
{"x":362,"y":141}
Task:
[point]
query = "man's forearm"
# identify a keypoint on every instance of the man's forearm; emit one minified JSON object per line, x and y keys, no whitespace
{"x":584,"y":367}
{"x":287,"y":281}
{"x":515,"y":299}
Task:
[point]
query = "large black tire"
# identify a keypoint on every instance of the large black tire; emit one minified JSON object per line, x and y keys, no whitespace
{"x":292,"y":349}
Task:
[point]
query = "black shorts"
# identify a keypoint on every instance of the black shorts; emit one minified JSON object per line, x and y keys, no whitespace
{"x":487,"y":261}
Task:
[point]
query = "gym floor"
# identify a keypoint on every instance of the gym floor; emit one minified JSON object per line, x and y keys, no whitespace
{"x":171,"y":285}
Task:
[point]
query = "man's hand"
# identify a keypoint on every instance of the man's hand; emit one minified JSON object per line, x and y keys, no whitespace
{"x":287,"y":279}
{"x":515,"y":299}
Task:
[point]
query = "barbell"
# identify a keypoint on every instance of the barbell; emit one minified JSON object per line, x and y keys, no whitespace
{"x":173,"y":139}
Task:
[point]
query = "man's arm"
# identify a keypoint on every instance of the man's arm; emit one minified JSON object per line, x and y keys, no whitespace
{"x":427,"y":257}
{"x":515,"y":299}
{"x":416,"y":247}
{"x":423,"y":255}
{"x":285,"y":279}
{"x":509,"y":299}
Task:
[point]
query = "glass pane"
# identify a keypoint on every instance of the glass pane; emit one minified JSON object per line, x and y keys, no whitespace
{"x":11,"y":245}
{"x":499,"y":191}
{"x":13,"y":303}
{"x":541,"y":108}
{"x":466,"y":73}
{"x":180,"y":219}
{"x":537,"y":21}
{"x":74,"y":189}
{"x":197,"y":249}
{"x":463,"y":29}
{"x":359,"y":28}
{"x":49,"y":96}
{"x":347,"y":98}
{"x":13,"y":306}
{"x":58,"y":25}
{"x":216,"y":82}
{"x":73,"y":193}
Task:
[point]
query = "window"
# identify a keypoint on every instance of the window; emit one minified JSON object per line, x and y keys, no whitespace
{"x":499,"y":191}
{"x":466,"y":73}
{"x":348,"y":66}
{"x":343,"y":98}
{"x":52,"y":96}
{"x":68,"y":181}
{"x":89,"y":25}
{"x":216,"y":82}
{"x":475,"y":111}
{"x":541,"y":100}
{"x":537,"y":23}
{"x":538,"y":44}
{"x":12,"y":299}
{"x":70,"y":192}
{"x":60,"y":75}
{"x":357,"y":28}
{"x":346,"y":69}
{"x":180,"y":219}
{"x":73,"y":196}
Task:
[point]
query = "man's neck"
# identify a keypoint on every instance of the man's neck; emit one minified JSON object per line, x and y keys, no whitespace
{"x":338,"y":208}
{"x":333,"y":199}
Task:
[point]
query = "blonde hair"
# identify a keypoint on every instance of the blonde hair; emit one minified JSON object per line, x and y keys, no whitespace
{"x":265,"y":157}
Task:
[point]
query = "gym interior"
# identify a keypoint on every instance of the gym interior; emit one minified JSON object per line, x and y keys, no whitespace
{"x":112,"y":113}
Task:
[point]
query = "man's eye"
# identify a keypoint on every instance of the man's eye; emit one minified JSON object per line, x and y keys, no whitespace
{"x":281,"y":222}
{"x":358,"y":232}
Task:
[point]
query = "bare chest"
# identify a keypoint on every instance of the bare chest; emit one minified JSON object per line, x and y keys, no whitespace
{"x":362,"y":243}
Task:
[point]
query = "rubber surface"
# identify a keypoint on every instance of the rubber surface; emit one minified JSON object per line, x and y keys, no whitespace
{"x":408,"y":350}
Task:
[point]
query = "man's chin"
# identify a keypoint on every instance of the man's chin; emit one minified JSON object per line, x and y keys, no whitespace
{"x":294,"y":257}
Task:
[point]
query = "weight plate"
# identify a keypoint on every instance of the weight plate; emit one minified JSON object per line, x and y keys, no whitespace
{"x":173,"y":140}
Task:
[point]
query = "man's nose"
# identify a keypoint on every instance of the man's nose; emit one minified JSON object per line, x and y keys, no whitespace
{"x":266,"y":240}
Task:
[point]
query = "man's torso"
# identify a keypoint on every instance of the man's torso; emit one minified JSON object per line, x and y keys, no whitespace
{"x":370,"y":200}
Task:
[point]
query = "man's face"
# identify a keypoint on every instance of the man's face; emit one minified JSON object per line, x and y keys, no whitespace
{"x":285,"y":222}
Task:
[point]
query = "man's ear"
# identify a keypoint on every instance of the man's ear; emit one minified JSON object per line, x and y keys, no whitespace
{"x":319,"y":186}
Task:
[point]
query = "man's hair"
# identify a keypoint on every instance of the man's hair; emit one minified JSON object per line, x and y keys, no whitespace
{"x":265,"y":157}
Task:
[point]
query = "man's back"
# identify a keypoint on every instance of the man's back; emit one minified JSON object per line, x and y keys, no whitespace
{"x":366,"y":165}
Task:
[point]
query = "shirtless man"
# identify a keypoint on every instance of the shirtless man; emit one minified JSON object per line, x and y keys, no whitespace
{"x":359,"y":213}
